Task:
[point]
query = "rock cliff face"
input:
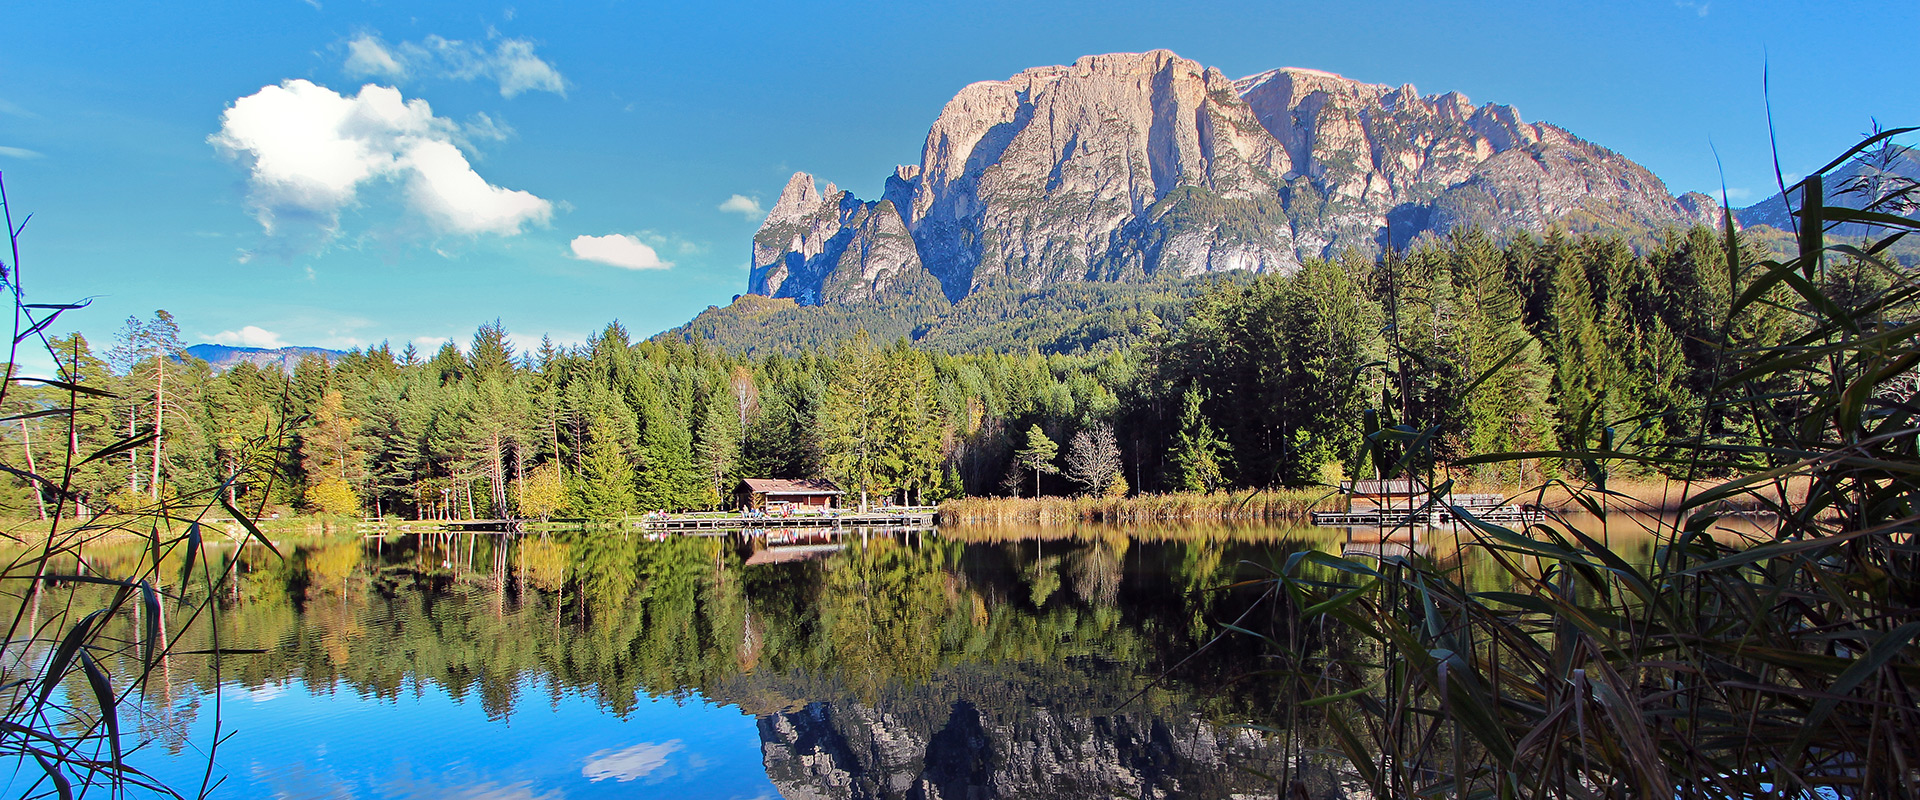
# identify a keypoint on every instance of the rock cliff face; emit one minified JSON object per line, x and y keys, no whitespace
{"x":1133,"y":165}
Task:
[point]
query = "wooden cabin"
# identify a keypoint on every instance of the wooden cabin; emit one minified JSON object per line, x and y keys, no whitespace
{"x":1398,"y":493}
{"x":774,"y":495}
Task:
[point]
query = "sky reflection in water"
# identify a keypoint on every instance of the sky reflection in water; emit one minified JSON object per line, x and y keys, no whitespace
{"x":297,"y":742}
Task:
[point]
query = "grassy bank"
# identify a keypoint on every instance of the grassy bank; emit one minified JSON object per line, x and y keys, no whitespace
{"x":1268,"y":504}
{"x":130,"y":526}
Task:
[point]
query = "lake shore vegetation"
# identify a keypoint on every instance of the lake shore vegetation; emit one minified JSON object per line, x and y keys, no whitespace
{"x":1267,"y":383}
{"x":1779,"y":659}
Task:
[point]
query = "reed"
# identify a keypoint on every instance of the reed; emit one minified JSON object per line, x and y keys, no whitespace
{"x":74,"y":676}
{"x":1246,"y":505}
{"x":1778,"y":661}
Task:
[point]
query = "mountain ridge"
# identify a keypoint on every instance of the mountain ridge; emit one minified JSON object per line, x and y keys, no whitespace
{"x":221,"y":357}
{"x":1126,"y":166}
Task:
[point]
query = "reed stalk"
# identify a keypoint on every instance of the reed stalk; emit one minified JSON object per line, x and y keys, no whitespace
{"x":77,"y":679}
{"x":1772,"y":661}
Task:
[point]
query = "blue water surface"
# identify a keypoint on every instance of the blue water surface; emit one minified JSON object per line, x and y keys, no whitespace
{"x":297,"y":742}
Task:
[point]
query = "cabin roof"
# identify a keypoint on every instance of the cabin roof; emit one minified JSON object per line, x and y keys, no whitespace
{"x":808,"y":486}
{"x":1399,"y":487}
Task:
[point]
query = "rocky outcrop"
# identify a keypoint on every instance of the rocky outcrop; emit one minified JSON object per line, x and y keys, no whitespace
{"x":832,"y":248}
{"x":1134,"y":165}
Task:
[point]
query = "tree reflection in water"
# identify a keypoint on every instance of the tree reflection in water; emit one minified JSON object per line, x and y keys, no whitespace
{"x":980,"y":663}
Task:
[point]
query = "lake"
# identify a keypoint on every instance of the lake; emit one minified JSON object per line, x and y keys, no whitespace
{"x":970,"y":662}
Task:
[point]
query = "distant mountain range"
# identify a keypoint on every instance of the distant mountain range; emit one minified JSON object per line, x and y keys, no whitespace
{"x":1137,"y":166}
{"x":1873,"y":175}
{"x":221,"y":356}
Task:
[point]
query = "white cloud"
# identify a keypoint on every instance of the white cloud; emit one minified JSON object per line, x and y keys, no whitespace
{"x":1738,"y":194}
{"x":511,"y":63}
{"x":427,"y":345}
{"x":629,"y":763}
{"x":249,"y":336}
{"x":367,"y":57}
{"x":519,"y":70}
{"x":481,"y":127}
{"x":19,"y":152}
{"x":744,"y":206}
{"x":310,"y":150}
{"x":266,"y":692}
{"x":619,"y":250}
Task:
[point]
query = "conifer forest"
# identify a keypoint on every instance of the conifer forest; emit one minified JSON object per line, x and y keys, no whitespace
{"x":1533,"y":344}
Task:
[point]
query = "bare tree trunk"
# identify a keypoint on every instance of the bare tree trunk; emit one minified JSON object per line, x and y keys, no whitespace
{"x":519,"y":471}
{"x":133,"y":456}
{"x":159,"y":419}
{"x":26,"y":445}
{"x":498,"y":477}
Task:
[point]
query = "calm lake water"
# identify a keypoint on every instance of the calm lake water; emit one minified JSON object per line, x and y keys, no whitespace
{"x":965,"y":663}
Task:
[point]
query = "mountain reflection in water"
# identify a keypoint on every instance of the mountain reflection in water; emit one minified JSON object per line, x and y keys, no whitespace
{"x":973,"y":663}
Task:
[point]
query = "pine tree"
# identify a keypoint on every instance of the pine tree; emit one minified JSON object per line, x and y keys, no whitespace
{"x":1038,"y":454}
{"x":1197,"y":449}
{"x":718,"y":445}
{"x":854,"y":434}
{"x":605,"y":486}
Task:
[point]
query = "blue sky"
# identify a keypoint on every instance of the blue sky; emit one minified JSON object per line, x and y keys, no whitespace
{"x":176,"y":155}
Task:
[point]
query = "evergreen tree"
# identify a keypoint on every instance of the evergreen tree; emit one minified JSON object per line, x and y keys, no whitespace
{"x":1037,"y":455}
{"x":604,"y":488}
{"x":1197,"y":450}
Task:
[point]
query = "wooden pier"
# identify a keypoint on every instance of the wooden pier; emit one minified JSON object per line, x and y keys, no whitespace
{"x":1430,"y":516}
{"x":707,"y":524}
{"x":918,"y":517}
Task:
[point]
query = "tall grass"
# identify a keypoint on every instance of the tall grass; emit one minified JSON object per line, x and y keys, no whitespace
{"x":1249,"y":505}
{"x":74,"y":677}
{"x":1782,"y":663}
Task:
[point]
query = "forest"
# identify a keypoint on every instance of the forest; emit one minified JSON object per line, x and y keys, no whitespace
{"x":1534,"y":344}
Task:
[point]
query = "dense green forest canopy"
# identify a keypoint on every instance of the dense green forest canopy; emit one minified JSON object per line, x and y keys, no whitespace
{"x":1238,"y":382}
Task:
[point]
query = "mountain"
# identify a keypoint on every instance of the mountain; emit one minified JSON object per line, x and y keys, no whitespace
{"x":1135,"y":166}
{"x":221,"y":356}
{"x":1884,"y":171}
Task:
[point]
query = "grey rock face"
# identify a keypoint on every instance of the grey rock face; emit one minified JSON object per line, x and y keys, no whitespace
{"x":1131,"y":165}
{"x":833,"y":248}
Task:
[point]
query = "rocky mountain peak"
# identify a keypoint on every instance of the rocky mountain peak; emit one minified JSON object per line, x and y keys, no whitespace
{"x":797,"y":200}
{"x":1128,"y":165}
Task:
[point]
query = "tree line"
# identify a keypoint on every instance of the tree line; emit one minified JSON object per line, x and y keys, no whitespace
{"x":1534,"y":344}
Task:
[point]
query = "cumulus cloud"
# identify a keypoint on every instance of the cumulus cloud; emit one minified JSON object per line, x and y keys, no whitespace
{"x":19,"y":153}
{"x":311,"y":150}
{"x":744,"y":206}
{"x":249,"y":336}
{"x":629,"y":763}
{"x":510,"y":63}
{"x":619,"y":250}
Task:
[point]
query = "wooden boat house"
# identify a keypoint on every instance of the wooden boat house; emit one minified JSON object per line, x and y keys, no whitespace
{"x":778,"y":494}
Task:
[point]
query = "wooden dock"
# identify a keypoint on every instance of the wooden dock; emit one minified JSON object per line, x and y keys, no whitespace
{"x":1430,"y":516}
{"x":660,"y":524}
{"x":889,"y":518}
